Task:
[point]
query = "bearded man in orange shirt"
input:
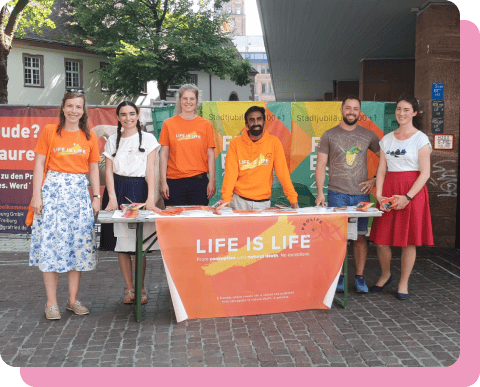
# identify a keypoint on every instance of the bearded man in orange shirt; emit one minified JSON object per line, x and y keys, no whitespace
{"x":249,"y":165}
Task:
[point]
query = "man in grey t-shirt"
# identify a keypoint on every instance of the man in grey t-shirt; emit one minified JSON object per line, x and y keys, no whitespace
{"x":345,"y":148}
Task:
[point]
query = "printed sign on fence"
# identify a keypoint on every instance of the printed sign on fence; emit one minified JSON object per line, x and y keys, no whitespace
{"x":21,"y":128}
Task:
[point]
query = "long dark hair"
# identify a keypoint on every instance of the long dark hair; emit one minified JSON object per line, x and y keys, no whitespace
{"x":83,"y":123}
{"x":119,"y":126}
{"x":417,"y":120}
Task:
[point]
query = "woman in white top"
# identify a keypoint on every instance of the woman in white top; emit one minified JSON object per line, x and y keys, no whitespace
{"x":130,"y":175}
{"x":403,"y":171}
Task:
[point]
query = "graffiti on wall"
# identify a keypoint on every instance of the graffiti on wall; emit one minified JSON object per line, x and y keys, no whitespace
{"x":444,"y":177}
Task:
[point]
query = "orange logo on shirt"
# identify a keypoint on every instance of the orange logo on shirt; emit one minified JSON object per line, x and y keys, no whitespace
{"x":261,"y":160}
{"x":191,"y":136}
{"x":74,"y":150}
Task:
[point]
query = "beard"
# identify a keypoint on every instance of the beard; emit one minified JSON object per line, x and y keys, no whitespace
{"x":351,"y":121}
{"x":256,"y":132}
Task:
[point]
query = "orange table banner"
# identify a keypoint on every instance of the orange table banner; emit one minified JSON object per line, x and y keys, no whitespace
{"x":238,"y":266}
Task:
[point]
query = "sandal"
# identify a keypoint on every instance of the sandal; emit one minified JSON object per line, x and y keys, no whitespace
{"x":129,"y":296}
{"x":144,"y":296}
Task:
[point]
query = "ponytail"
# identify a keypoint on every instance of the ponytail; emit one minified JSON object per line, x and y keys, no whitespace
{"x":139,"y":128}
{"x":119,"y":135}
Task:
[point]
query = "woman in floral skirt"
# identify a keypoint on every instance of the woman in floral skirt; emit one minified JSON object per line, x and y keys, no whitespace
{"x":63,"y":229}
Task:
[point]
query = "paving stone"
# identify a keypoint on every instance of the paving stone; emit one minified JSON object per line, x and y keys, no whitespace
{"x":375,"y":331}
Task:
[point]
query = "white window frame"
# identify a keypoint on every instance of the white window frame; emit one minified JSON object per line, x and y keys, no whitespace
{"x":79,"y":73}
{"x":192,"y":78}
{"x":32,"y":69}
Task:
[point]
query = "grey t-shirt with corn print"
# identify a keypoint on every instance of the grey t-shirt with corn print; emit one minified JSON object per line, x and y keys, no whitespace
{"x":347,"y":157}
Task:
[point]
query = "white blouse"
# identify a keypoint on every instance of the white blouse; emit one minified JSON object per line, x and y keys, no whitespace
{"x":129,"y":161}
{"x":402,"y":155}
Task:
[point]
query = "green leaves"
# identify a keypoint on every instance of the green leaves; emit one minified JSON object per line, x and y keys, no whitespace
{"x":16,"y":17}
{"x":32,"y":15}
{"x":160,"y":40}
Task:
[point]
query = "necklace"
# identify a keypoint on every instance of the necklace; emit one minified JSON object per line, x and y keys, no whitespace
{"x":404,"y":136}
{"x":75,"y":138}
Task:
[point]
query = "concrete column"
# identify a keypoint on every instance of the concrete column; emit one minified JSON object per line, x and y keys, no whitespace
{"x":438,"y":60}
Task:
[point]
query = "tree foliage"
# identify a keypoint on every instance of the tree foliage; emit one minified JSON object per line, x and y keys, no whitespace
{"x":160,"y":40}
{"x":15,"y":18}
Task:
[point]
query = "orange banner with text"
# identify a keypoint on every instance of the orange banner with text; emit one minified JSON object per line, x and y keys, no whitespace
{"x":223,"y":266}
{"x":21,"y":127}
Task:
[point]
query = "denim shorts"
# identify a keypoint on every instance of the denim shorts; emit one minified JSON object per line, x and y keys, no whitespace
{"x":339,"y":199}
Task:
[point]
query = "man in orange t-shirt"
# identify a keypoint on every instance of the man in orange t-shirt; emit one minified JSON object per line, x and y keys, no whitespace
{"x":249,"y":165}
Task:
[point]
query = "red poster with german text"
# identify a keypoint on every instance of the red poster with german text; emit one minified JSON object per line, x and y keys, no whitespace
{"x":20,"y":129}
{"x":223,"y":266}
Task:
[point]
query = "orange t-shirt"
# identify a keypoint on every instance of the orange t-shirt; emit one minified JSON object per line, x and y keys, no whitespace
{"x":71,"y":152}
{"x":188,"y":141}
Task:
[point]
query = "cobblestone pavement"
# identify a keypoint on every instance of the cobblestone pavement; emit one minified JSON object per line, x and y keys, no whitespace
{"x":376,"y":330}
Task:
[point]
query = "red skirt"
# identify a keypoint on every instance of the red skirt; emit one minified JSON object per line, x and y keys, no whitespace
{"x":410,"y":226}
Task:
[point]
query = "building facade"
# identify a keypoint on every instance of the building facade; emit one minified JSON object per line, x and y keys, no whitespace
{"x":236,"y":20}
{"x":42,"y":66}
{"x":40,"y":72}
{"x":253,"y":49}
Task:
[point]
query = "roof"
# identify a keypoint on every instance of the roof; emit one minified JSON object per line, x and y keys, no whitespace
{"x":65,"y":29}
{"x":311,"y":43}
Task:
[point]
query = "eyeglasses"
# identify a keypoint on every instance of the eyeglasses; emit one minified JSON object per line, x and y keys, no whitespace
{"x":81,"y":91}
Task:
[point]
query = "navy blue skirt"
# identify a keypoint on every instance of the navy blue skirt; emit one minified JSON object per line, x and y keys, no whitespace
{"x":133,"y":188}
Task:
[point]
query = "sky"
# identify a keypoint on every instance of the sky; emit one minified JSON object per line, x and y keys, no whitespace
{"x":253,"y":26}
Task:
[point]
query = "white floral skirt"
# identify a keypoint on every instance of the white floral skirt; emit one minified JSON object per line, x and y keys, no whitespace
{"x":63,"y":236}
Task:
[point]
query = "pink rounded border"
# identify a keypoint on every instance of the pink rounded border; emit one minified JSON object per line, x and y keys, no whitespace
{"x":463,"y":373}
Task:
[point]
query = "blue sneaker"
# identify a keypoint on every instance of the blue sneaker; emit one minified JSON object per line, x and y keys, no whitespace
{"x":360,"y":285}
{"x":341,"y":283}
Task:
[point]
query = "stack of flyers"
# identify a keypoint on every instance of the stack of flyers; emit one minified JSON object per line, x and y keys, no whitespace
{"x":344,"y":208}
{"x":281,"y":208}
{"x":168,"y":211}
{"x":218,"y":206}
{"x":131,"y":210}
{"x":271,"y":209}
{"x":387,"y":203}
{"x":286,"y":209}
{"x":247,"y":211}
{"x":195,"y":208}
{"x":363,"y":206}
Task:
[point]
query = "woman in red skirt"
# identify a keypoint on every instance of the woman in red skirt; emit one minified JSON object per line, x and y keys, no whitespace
{"x":405,"y":154}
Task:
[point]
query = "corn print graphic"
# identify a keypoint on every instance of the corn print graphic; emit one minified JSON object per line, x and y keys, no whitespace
{"x":351,"y":154}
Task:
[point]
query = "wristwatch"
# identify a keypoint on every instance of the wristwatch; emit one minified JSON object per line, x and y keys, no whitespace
{"x":408,"y":197}
{"x":97,"y":196}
